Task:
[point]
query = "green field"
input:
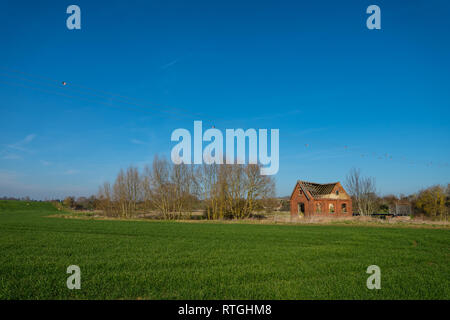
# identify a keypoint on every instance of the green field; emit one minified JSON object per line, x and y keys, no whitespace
{"x":175,"y":260}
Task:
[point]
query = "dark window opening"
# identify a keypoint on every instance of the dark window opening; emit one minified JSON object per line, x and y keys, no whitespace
{"x":301,"y":209}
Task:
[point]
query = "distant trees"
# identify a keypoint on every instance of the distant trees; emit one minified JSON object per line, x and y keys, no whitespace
{"x":233,"y":190}
{"x":447,"y":201}
{"x":386,"y":203}
{"x":83,"y":203}
{"x":122,"y":198}
{"x":170,"y":189}
{"x":363,"y":191}
{"x":226,"y":191}
{"x":433,"y":202}
{"x":127,"y":191}
{"x":105,"y":199}
{"x":270,"y":204}
{"x":80,"y":203}
{"x":69,"y":202}
{"x":285,"y":205}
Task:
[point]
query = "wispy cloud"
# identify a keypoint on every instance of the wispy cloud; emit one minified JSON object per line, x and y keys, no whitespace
{"x":136,"y":141}
{"x":71,"y":171}
{"x":11,"y":157}
{"x":170,"y":64}
{"x":20,"y":144}
{"x":46,"y":163}
{"x":8,"y":149}
{"x":29,"y":138}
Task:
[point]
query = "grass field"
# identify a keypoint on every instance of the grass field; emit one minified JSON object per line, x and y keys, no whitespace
{"x":174,"y":260}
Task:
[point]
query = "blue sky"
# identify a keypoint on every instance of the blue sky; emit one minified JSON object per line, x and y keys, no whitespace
{"x":341,"y":95}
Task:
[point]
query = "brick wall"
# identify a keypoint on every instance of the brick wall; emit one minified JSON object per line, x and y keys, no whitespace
{"x":310,"y":205}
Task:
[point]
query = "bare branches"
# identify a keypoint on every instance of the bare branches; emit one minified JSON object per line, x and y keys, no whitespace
{"x":231,"y":190}
{"x":227,"y":191}
{"x":363,"y":191}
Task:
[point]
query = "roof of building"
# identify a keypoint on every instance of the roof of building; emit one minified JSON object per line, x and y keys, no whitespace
{"x":318,"y":190}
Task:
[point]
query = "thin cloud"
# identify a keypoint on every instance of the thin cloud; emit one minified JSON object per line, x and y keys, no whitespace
{"x":170,"y":64}
{"x":29,"y":138}
{"x":19,"y":146}
{"x":12,"y":157}
{"x":136,"y":141}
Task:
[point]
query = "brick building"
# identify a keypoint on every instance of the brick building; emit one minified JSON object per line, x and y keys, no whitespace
{"x":316,"y":199}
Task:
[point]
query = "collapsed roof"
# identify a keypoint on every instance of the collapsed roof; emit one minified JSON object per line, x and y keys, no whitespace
{"x":318,"y":190}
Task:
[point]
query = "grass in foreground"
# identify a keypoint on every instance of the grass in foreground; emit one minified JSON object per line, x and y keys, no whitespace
{"x":171,"y":260}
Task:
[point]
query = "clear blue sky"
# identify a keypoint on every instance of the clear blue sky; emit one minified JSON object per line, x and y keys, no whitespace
{"x":341,"y":95}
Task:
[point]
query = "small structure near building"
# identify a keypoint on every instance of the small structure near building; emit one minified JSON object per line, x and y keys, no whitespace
{"x":400,"y":208}
{"x":317,"y":199}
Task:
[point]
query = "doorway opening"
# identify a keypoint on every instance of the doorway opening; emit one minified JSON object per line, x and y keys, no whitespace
{"x":301,"y":209}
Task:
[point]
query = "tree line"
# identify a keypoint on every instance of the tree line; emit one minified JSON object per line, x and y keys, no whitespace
{"x":173,"y":190}
{"x":432,"y":202}
{"x":234,"y":191}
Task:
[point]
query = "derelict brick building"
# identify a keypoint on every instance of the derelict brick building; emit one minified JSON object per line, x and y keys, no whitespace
{"x":317,"y":199}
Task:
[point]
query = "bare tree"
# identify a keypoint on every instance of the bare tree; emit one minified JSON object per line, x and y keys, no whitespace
{"x":235,"y":189}
{"x":133,"y":189}
{"x":207,"y":177}
{"x":159,"y":189}
{"x":105,"y":202}
{"x":257,"y":186}
{"x":232,"y":190}
{"x":120,"y":194}
{"x":184,"y":188}
{"x":363,"y":192}
{"x":227,"y":190}
{"x":146,"y":189}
